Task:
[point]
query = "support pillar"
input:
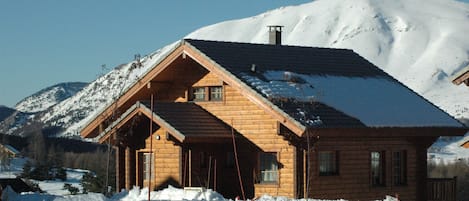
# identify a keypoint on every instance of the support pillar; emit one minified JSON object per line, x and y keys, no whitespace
{"x":128,"y":172}
{"x":120,"y":168}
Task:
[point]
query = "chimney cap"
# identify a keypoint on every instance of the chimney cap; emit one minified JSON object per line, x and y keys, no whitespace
{"x":275,"y":27}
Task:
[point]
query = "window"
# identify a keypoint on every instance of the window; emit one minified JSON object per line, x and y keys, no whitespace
{"x":147,"y":165}
{"x":328,"y":163}
{"x":377,"y":168}
{"x":216,"y":93}
{"x":268,"y":167}
{"x":399,"y":168}
{"x":213,"y":93}
{"x":198,"y":93}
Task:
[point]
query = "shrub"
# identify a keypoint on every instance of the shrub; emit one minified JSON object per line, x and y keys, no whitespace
{"x":92,"y":183}
{"x":72,"y":189}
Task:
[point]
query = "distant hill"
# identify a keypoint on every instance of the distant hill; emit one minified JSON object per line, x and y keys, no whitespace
{"x":48,"y":97}
{"x":5,"y":112}
{"x":23,"y":121}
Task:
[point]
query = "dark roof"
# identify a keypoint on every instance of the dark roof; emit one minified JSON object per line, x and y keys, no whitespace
{"x":239,"y":57}
{"x":373,"y":94}
{"x":16,"y":184}
{"x":306,"y":112}
{"x":188,"y":117}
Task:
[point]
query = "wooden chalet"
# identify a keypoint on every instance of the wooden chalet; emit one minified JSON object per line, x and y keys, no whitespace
{"x":363,"y":136}
{"x":9,"y":150}
{"x":463,"y":77}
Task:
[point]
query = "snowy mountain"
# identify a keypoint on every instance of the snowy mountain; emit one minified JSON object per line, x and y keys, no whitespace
{"x":49,"y":96}
{"x":23,"y":120}
{"x":420,"y":42}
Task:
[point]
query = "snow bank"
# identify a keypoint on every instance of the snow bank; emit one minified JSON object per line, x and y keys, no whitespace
{"x":10,"y":195}
{"x":137,"y":194}
{"x":169,"y":193}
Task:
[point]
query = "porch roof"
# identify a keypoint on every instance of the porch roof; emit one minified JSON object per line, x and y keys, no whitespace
{"x":190,"y":119}
{"x":184,"y":121}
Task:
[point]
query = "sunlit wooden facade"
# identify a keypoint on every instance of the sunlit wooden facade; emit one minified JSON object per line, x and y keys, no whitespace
{"x":200,"y":111}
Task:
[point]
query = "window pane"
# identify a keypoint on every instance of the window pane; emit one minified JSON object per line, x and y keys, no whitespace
{"x":268,"y":167}
{"x":198,"y":94}
{"x":327,"y":163}
{"x":399,"y":167}
{"x":377,"y":168}
{"x":147,"y":164}
{"x":216,"y":93}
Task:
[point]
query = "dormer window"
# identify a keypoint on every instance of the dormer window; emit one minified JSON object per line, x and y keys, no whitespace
{"x":198,"y":94}
{"x":216,"y":93}
{"x":209,"y":93}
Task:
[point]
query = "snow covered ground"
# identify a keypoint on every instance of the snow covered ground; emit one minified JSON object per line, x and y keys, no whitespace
{"x":137,"y":194}
{"x":54,"y":192}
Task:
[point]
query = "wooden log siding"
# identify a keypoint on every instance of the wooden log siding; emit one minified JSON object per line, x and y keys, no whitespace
{"x":167,"y":158}
{"x":259,"y":127}
{"x":353,"y":181}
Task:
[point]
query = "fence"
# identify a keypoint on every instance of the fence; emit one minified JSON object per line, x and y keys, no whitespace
{"x":441,"y":189}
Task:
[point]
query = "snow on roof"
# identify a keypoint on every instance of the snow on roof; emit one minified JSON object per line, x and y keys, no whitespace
{"x":375,"y":101}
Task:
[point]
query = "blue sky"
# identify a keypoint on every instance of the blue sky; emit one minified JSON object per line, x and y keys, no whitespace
{"x":43,"y":43}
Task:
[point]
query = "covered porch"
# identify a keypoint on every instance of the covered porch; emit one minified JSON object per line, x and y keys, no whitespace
{"x":187,"y":147}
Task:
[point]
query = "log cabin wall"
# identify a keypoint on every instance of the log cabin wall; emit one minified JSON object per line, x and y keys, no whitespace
{"x":258,"y":127}
{"x":353,"y":181}
{"x":167,"y":157}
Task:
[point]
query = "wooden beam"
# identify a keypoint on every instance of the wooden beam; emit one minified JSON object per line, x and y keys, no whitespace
{"x":462,"y":77}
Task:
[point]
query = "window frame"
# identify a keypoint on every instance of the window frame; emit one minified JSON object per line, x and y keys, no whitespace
{"x":207,"y":93}
{"x":275,"y":170}
{"x":212,"y":92}
{"x":146,"y":167}
{"x":399,"y":168}
{"x":381,"y":167}
{"x":194,"y":94}
{"x":332,"y":163}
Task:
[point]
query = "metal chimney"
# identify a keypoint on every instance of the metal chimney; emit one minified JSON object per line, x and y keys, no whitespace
{"x":275,"y":34}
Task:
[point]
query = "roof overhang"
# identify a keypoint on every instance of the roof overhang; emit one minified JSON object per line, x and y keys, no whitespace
{"x":138,"y":109}
{"x":388,"y":132}
{"x":122,"y":103}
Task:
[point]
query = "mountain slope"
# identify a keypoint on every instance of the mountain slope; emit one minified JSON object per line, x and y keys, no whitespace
{"x":24,"y":121}
{"x":48,"y":97}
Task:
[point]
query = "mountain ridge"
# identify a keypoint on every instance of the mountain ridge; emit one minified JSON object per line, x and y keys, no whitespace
{"x":49,"y":96}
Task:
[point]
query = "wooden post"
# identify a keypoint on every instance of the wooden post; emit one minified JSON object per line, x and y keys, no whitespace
{"x":127,"y":169}
{"x":190,"y":168}
{"x":118,"y":168}
{"x":215,"y":175}
{"x":151,"y":147}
